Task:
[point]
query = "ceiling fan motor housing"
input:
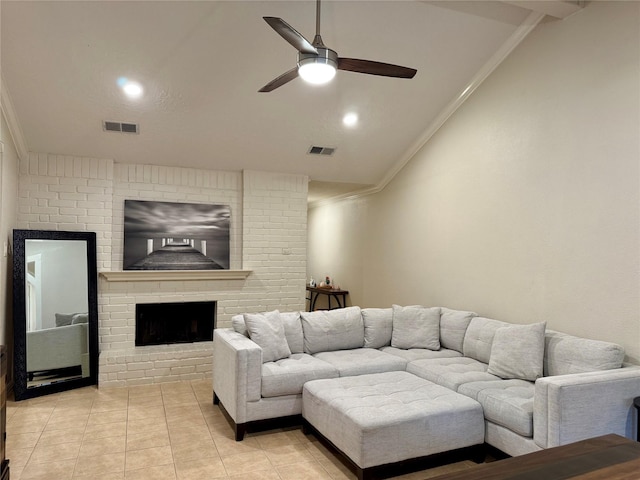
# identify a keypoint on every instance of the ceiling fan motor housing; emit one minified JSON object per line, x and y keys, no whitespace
{"x":324,"y":56}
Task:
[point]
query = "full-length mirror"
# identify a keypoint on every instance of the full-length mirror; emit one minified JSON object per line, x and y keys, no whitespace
{"x":55,"y":311}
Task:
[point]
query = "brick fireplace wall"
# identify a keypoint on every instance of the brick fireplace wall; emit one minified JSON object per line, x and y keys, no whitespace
{"x":268,"y":237}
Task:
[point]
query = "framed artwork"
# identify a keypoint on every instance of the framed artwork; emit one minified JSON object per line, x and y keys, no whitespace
{"x":175,"y":236}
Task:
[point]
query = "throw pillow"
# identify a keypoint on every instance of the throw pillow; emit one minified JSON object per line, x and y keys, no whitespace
{"x":416,"y":327}
{"x":63,"y":319}
{"x":518,"y":352}
{"x":80,"y":318}
{"x":267,"y":330}
{"x":292,"y":329}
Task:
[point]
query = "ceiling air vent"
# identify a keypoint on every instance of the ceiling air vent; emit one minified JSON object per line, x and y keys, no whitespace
{"x":315,"y":150}
{"x":121,"y":127}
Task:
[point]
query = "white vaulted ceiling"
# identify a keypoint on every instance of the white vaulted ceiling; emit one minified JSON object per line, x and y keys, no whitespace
{"x":201,"y":64}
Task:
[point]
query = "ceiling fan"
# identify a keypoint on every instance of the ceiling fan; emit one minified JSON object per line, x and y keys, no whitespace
{"x":318,"y":64}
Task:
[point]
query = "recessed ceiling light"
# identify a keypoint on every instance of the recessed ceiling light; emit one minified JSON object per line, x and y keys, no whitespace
{"x":350,"y":119}
{"x":130,"y":88}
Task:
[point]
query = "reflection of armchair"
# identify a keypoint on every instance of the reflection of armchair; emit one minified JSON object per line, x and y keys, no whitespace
{"x":58,"y":347}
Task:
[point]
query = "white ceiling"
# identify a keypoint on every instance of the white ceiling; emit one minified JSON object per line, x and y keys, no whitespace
{"x":202,"y":62}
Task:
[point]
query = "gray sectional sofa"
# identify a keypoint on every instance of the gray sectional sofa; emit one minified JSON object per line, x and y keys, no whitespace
{"x":538,"y":388}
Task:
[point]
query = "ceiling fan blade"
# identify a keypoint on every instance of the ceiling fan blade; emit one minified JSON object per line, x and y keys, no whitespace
{"x":290,"y":34}
{"x":375,"y":68}
{"x":281,"y":80}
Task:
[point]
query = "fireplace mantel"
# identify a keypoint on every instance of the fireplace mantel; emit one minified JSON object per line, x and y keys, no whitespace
{"x":173,"y":275}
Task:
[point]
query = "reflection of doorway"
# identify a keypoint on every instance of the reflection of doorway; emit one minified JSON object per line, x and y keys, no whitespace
{"x":33,"y":301}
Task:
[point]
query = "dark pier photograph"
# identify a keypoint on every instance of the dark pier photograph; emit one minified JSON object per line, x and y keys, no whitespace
{"x":175,"y":236}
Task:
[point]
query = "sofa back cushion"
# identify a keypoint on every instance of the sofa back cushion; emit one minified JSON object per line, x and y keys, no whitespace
{"x":378,"y":324}
{"x":479,"y":338}
{"x":326,"y":331}
{"x":453,"y":326}
{"x":566,"y":354}
{"x":416,"y":326}
{"x":292,"y":329}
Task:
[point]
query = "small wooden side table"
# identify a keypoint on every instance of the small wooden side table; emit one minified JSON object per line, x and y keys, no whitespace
{"x":337,"y":294}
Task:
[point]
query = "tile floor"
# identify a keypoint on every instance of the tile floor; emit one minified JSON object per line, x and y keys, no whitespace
{"x":160,"y":432}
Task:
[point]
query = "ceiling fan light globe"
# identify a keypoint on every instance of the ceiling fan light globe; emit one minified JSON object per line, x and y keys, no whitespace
{"x":317,"y":73}
{"x":320,"y":68}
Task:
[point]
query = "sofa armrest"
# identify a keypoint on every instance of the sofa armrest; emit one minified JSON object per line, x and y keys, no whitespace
{"x":569,"y":408}
{"x":237,"y":371}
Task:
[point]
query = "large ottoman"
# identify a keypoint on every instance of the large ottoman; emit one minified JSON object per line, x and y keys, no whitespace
{"x":386,"y":418}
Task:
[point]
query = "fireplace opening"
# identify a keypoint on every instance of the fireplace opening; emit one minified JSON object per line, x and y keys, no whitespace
{"x":166,"y":323}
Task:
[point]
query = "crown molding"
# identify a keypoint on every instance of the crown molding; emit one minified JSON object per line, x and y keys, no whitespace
{"x":487,"y":69}
{"x":12,"y":122}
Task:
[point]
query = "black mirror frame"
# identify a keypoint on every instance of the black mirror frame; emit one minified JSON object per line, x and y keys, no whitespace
{"x":20,"y":389}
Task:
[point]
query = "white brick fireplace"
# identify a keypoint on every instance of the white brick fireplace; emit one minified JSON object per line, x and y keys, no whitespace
{"x":268,"y":250}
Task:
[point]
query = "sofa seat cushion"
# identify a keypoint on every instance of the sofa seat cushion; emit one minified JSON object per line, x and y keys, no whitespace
{"x":506,"y":402}
{"x":362,"y":361}
{"x":451,"y":372}
{"x":287,"y":376}
{"x":420,"y":353}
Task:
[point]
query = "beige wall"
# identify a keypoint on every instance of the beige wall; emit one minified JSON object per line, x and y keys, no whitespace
{"x":337,"y":240}
{"x":525,"y":206}
{"x":8,"y":199}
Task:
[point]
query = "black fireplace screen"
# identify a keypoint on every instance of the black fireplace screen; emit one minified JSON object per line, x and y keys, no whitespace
{"x":163,"y":323}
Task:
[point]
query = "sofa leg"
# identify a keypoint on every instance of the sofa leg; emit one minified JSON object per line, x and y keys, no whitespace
{"x":479,"y":454}
{"x":240,"y":429}
{"x":364,"y":473}
{"x":306,"y":427}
